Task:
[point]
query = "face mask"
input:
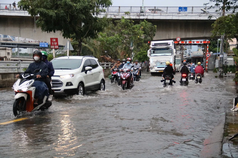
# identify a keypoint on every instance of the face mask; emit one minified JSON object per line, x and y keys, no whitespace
{"x":36,"y":58}
{"x":128,"y":62}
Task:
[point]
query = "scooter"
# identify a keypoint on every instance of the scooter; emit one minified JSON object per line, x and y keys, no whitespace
{"x":167,"y":81}
{"x":198,"y":78}
{"x":126,"y":79}
{"x":192,"y":76}
{"x":24,"y":96}
{"x":114,"y":75}
{"x":136,"y":74}
{"x":184,"y":80}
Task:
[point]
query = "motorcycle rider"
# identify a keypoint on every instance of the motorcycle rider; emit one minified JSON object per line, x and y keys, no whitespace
{"x":51,"y":70}
{"x":192,"y":69}
{"x":184,"y":70}
{"x":128,"y":65}
{"x":40,"y":69}
{"x":117,"y":64}
{"x":199,"y":69}
{"x":137,"y":66}
{"x":168,"y":71}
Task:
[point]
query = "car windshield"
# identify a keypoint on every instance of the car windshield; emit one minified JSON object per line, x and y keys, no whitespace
{"x":161,"y":52}
{"x":66,"y":64}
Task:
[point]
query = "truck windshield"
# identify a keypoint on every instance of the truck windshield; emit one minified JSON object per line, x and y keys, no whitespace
{"x":161,"y":52}
{"x":178,"y":61}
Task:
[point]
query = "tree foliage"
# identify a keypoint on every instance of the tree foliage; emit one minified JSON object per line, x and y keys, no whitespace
{"x":225,"y":5}
{"x":124,"y":36}
{"x":226,"y":25}
{"x":74,"y":18}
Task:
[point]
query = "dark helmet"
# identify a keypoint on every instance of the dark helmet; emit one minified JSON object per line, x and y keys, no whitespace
{"x":184,"y":63}
{"x":118,"y":59}
{"x":38,"y":53}
{"x":124,"y":60}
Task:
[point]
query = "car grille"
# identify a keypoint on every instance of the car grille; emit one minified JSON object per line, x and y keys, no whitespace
{"x":56,"y":83}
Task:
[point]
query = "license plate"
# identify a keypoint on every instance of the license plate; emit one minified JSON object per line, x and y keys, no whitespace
{"x":191,"y":75}
{"x":198,"y":76}
{"x":167,"y":81}
{"x":184,"y":79}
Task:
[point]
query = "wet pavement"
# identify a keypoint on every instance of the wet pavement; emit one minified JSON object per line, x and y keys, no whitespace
{"x":148,"y":121}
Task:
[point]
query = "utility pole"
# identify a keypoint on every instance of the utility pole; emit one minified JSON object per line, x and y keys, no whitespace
{"x":222,"y":42}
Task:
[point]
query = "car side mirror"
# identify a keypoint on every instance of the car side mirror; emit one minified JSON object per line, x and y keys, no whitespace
{"x":88,"y":68}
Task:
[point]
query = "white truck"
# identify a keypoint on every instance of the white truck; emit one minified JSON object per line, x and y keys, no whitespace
{"x":159,"y":53}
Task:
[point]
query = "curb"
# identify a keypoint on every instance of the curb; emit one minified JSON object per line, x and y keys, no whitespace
{"x":213,"y":144}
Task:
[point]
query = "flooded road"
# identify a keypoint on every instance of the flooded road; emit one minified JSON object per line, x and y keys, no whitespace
{"x":148,"y":121}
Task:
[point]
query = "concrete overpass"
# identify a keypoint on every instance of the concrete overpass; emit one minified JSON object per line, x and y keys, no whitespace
{"x":190,"y":23}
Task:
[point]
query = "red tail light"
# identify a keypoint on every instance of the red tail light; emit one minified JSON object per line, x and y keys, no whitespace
{"x":184,"y":75}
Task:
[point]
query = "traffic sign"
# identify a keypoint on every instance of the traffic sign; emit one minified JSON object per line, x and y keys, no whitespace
{"x":178,"y":39}
{"x":43,"y":45}
{"x":183,"y":9}
{"x":54,"y":43}
{"x":208,"y":55}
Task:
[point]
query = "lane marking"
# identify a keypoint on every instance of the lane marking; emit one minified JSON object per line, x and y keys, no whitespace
{"x":16,"y":120}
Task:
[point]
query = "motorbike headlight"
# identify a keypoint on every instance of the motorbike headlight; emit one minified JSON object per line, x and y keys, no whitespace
{"x":67,"y":76}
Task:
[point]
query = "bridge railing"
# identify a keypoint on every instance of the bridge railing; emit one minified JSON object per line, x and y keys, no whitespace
{"x":135,"y":10}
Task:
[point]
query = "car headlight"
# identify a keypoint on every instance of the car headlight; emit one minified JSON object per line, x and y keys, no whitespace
{"x":67,"y":76}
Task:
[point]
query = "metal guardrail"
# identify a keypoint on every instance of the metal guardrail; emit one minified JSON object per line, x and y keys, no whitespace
{"x":135,"y":11}
{"x":106,"y":65}
{"x":13,"y":66}
{"x":21,"y":66}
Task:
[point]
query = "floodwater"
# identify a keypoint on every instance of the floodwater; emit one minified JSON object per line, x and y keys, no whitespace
{"x":147,"y":121}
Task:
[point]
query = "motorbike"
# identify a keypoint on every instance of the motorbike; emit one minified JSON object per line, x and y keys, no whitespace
{"x":167,"y":81}
{"x":198,"y":78}
{"x":192,"y":76}
{"x":136,"y":74}
{"x":115,"y":75}
{"x":184,"y":80}
{"x":125,"y":78}
{"x":24,"y":96}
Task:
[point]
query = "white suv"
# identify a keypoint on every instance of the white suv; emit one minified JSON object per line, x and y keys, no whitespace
{"x":76,"y":75}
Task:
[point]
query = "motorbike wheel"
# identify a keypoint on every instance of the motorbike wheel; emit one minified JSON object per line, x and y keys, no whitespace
{"x":200,"y":81}
{"x":123,"y":86}
{"x":102,"y":85}
{"x":18,"y":106}
{"x":112,"y":79}
{"x":80,"y":89}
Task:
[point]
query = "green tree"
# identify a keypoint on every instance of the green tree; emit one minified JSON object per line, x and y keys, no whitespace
{"x":74,"y":18}
{"x":225,"y":5}
{"x":226,"y":25}
{"x":122,"y":37}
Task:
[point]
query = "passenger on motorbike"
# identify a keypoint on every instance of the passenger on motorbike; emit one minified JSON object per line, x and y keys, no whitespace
{"x":128,"y":66}
{"x":122,"y":64}
{"x":117,"y":64}
{"x":51,"y":70}
{"x":184,"y":70}
{"x":199,"y":69}
{"x":40,"y":69}
{"x":137,"y":66}
{"x":169,"y":71}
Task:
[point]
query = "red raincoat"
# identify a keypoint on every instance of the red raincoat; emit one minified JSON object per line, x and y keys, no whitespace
{"x":199,"y":70}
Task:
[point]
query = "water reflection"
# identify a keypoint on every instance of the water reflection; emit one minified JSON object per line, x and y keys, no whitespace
{"x":67,"y":142}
